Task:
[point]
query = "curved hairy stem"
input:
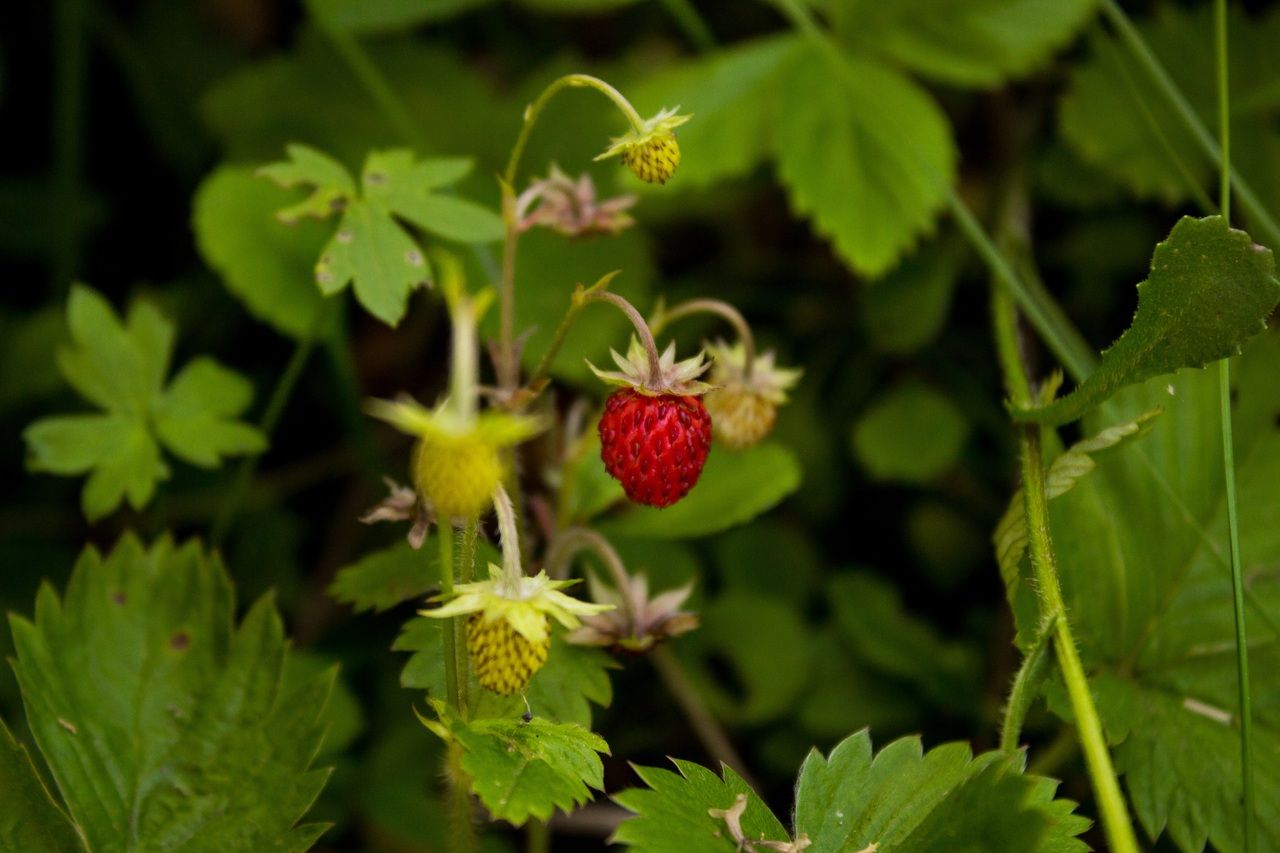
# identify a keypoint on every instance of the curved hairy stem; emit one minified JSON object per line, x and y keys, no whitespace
{"x":667,"y":316}
{"x":1026,"y":687}
{"x":577,"y":539}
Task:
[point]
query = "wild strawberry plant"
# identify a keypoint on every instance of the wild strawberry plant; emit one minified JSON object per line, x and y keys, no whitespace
{"x":574,"y":461}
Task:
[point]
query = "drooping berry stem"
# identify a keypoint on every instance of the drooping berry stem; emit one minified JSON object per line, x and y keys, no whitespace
{"x":642,"y":330}
{"x":667,"y":316}
{"x":577,"y":539}
{"x":506,"y":513}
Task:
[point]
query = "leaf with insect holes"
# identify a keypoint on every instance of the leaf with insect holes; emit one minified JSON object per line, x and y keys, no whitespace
{"x":1143,"y":553}
{"x":164,"y":724}
{"x":901,"y":799}
{"x":370,"y":249}
{"x":523,"y":770}
{"x":867,"y":134}
{"x":30,"y":820}
{"x":1211,"y":289}
{"x":963,"y":42}
{"x":122,"y":368}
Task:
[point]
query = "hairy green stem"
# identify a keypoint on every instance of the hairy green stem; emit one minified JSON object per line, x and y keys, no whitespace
{"x":537,"y":837}
{"x":462,"y":830}
{"x":1228,"y":452}
{"x":1115,"y":815}
{"x":638,"y":322}
{"x":574,"y":540}
{"x":1256,"y":210}
{"x":452,"y":681}
{"x":1026,"y":687}
{"x":719,"y":307}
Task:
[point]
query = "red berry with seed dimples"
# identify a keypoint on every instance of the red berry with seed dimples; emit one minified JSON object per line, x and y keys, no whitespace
{"x":655,"y":445}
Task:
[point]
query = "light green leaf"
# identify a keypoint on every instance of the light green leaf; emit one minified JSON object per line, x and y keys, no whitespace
{"x":529,"y":769}
{"x":423,"y":638}
{"x":945,"y":800}
{"x":405,"y":187}
{"x":332,"y":185}
{"x":195,"y":417}
{"x":121,"y":367}
{"x":30,"y":820}
{"x":734,"y":488}
{"x":964,"y":42}
{"x":365,"y":17}
{"x":672,"y":812}
{"x":907,"y":309}
{"x":1211,"y":289}
{"x":913,"y":434}
{"x":268,"y":268}
{"x":162,"y":722}
{"x":868,"y":156}
{"x":1143,"y":554}
{"x":383,"y":579}
{"x":733,"y":96}
{"x":375,"y":253}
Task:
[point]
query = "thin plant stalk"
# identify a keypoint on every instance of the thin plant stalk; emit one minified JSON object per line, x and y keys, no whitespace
{"x":719,"y":307}
{"x":1228,"y":450}
{"x":1115,"y":814}
{"x":452,"y":679}
{"x":1026,"y":687}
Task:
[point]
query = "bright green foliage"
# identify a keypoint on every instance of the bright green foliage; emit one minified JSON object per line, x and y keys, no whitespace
{"x":370,"y":248}
{"x":382,"y":579}
{"x":1067,"y":469}
{"x":671,"y":814}
{"x":733,"y":96}
{"x":867,"y":155}
{"x":268,"y":268}
{"x":913,"y":434}
{"x":122,"y":367}
{"x":908,"y":308}
{"x":898,"y":800}
{"x":1210,"y":290}
{"x":524,"y":769}
{"x":165,"y":726}
{"x":1143,"y":555}
{"x":964,"y":42}
{"x":1118,"y":120}
{"x":734,"y":488}
{"x":30,"y":820}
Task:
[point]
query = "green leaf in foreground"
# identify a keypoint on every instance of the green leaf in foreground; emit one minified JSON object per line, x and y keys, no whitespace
{"x":734,"y":488}
{"x":121,"y":366}
{"x":383,"y":579}
{"x":371,"y":249}
{"x":164,"y":724}
{"x":30,"y":821}
{"x":1211,"y":289}
{"x":524,"y":769}
{"x":901,"y":799}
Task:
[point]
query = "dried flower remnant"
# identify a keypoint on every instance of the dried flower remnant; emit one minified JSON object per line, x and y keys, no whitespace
{"x":637,"y":623}
{"x":570,"y":207}
{"x":403,"y":504}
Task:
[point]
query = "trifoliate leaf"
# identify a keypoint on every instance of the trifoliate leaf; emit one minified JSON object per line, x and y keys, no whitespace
{"x":866,"y":154}
{"x":733,"y":489}
{"x":267,"y":268}
{"x":383,"y":579}
{"x":528,"y":769}
{"x":733,"y":96}
{"x":371,"y":250}
{"x":672,"y":813}
{"x":1142,"y":550}
{"x":1067,"y":469}
{"x":963,"y":42}
{"x":122,"y":368}
{"x":913,"y":434}
{"x":901,"y":799}
{"x":30,"y":820}
{"x":164,"y":724}
{"x":1210,"y":289}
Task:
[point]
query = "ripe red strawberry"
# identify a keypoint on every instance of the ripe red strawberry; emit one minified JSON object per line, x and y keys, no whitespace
{"x":654,"y":445}
{"x":655,"y":433}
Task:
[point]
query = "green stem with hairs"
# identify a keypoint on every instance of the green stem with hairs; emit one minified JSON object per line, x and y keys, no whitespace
{"x":1026,"y":687}
{"x":452,"y":680}
{"x":1228,"y":453}
{"x":667,"y":316}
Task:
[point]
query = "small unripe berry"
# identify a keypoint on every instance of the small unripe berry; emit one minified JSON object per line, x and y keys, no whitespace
{"x":740,"y":418}
{"x":503,"y":659}
{"x":456,"y":473}
{"x":653,"y":159}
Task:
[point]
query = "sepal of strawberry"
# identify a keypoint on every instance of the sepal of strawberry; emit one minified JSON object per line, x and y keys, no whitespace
{"x":679,"y":378}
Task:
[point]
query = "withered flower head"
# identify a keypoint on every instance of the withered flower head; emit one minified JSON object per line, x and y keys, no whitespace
{"x":402,"y":504}
{"x":637,"y":622}
{"x":571,"y":207}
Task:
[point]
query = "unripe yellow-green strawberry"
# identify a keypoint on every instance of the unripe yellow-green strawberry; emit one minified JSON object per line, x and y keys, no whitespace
{"x":650,"y":149}
{"x":744,"y":405}
{"x":508,"y":629}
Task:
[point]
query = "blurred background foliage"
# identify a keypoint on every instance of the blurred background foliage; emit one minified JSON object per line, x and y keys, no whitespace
{"x":869,"y":596}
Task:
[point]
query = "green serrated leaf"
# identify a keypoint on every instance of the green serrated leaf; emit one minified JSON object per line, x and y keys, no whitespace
{"x":331,"y":183}
{"x":844,"y":141}
{"x":913,"y":433}
{"x":268,"y":268}
{"x":383,"y":579}
{"x":372,"y":252}
{"x":964,"y":42}
{"x":904,"y":799}
{"x":121,"y":367}
{"x":30,"y":820}
{"x":162,"y":722}
{"x":406,"y":188}
{"x":1211,"y":289}
{"x":734,"y":488}
{"x":572,"y":680}
{"x":528,"y":769}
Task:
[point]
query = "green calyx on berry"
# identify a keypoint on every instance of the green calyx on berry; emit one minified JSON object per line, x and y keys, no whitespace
{"x":649,"y":149}
{"x":678,"y":378}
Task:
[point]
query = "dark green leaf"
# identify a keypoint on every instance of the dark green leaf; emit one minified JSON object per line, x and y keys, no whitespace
{"x":1211,"y":289}
{"x":913,"y":433}
{"x":30,"y":820}
{"x":907,"y":309}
